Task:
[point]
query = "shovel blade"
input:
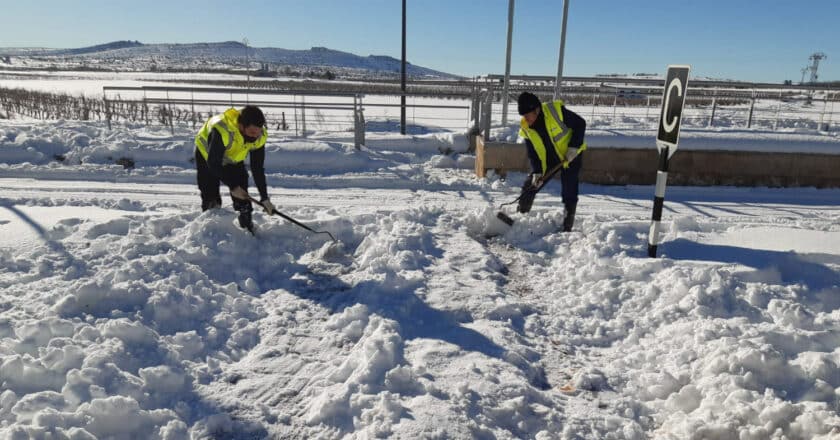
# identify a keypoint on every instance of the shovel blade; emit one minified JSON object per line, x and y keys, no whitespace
{"x":505,"y":218}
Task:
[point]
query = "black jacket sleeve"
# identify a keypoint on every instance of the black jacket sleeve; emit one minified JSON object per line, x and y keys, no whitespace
{"x":258,"y":171}
{"x":578,"y":126}
{"x":215,"y":153}
{"x":536,"y":165}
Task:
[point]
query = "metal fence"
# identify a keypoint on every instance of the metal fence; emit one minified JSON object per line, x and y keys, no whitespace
{"x":294,"y":112}
{"x":705,"y":108}
{"x":303,"y":112}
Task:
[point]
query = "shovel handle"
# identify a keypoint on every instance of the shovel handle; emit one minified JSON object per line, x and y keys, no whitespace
{"x":286,"y":217}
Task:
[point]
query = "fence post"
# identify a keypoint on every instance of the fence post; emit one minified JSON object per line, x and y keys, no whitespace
{"x":474,"y":109}
{"x":169,"y":114}
{"x":145,"y":110}
{"x":107,"y":110}
{"x":822,"y":115}
{"x":362,"y":125}
{"x":474,"y":113}
{"x":752,"y":107}
{"x":294,"y":107}
{"x":303,"y":116}
{"x":615,"y":106}
{"x":192,"y":107}
{"x":486,"y":114}
{"x":714,"y":107}
{"x":359,"y":122}
{"x":778,"y":112}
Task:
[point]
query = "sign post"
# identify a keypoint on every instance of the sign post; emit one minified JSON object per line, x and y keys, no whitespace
{"x":670,"y":117}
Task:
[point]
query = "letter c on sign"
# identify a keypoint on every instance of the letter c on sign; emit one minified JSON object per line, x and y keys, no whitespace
{"x":669,"y":126}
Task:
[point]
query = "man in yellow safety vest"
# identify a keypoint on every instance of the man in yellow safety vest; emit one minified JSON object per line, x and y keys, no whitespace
{"x":554,"y":136}
{"x":220,"y":150}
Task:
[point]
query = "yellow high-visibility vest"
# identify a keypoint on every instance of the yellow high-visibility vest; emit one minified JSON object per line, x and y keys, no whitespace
{"x":236,"y":149}
{"x":559,"y":133}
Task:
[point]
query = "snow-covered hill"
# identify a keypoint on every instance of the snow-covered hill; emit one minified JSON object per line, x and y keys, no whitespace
{"x":230,"y":53}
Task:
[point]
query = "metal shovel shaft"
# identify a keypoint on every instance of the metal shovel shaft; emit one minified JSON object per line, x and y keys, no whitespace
{"x":286,"y":217}
{"x":543,"y":181}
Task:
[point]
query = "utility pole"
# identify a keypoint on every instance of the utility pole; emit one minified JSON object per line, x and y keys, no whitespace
{"x":557,"y":86}
{"x":247,"y":61}
{"x":402,"y":81}
{"x":815,"y":63}
{"x":506,"y":86}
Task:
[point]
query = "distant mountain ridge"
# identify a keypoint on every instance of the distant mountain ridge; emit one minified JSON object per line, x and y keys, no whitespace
{"x":226,"y":52}
{"x":98,"y":48}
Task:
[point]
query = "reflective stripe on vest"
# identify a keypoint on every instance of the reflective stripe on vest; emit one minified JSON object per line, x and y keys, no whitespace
{"x":559,"y":119}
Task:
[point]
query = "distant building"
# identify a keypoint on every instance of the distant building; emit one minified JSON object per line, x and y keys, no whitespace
{"x":264,"y":71}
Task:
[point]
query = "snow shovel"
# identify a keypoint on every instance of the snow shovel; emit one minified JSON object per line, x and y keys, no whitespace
{"x":543,"y":180}
{"x":333,"y":252}
{"x":276,"y":212}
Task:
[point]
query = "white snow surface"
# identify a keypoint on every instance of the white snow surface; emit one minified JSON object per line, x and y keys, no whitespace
{"x":126,"y":312}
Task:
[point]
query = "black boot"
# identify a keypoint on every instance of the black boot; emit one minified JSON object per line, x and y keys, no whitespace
{"x":526,"y":200}
{"x":526,"y":197}
{"x":245,"y":208}
{"x":211,"y":204}
{"x":246,"y":222}
{"x":569,"y":220}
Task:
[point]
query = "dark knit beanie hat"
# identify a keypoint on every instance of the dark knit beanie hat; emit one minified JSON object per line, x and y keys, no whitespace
{"x":527,"y":102}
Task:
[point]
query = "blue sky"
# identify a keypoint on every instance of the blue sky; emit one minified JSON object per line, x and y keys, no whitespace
{"x":759,"y":40}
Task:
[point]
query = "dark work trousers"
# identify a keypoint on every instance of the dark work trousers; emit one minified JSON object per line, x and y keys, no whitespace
{"x":569,"y":181}
{"x":208,"y":184}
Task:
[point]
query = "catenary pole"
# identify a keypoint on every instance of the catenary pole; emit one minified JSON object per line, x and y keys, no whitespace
{"x":247,"y":69}
{"x":506,"y":86}
{"x":402,"y":81}
{"x":557,"y":81}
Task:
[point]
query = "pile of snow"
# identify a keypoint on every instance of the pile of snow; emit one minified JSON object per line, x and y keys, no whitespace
{"x":30,"y":147}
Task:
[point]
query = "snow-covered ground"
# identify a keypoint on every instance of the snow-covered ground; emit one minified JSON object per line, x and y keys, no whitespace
{"x":126,"y":312}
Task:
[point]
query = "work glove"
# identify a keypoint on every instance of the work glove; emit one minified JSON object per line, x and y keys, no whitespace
{"x":571,"y":154}
{"x":536,"y":180}
{"x":239,"y":193}
{"x":267,"y":206}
